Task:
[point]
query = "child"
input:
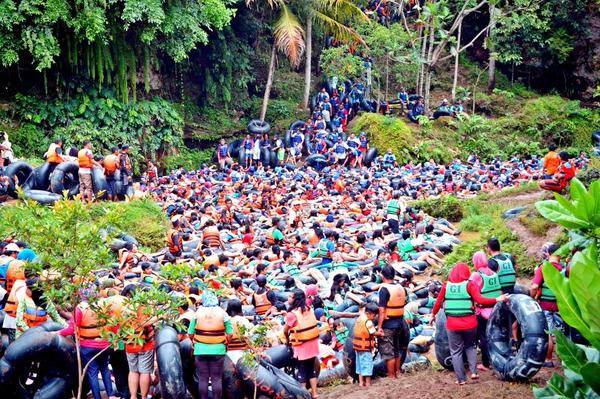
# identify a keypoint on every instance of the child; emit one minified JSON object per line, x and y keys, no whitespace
{"x":363,"y":343}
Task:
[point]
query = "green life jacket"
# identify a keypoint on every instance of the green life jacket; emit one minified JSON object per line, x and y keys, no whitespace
{"x":458,"y":301}
{"x":338,"y":266}
{"x":323,"y":250}
{"x":292,"y":270}
{"x":430,"y":302}
{"x":547,"y":295}
{"x":342,"y":335}
{"x":491,"y":286}
{"x":506,"y":272}
{"x":393,"y":207}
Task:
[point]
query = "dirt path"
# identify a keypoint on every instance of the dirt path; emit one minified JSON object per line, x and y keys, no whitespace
{"x":438,"y":384}
{"x":532,"y":242}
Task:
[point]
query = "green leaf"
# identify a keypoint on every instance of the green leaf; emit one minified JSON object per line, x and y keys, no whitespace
{"x":557,"y":388}
{"x":585,"y":285}
{"x":571,"y":355}
{"x":591,"y":375}
{"x":567,"y":305}
{"x":557,"y":213}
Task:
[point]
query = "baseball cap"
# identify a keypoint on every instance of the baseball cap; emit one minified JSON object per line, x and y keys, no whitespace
{"x":12,"y":247}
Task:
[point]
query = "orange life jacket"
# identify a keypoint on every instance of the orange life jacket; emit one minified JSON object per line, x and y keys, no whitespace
{"x":12,"y":303}
{"x":111,"y":163}
{"x":363,"y":340}
{"x":395,"y":305}
{"x":236,"y":342}
{"x":89,"y":327}
{"x":14,"y":272}
{"x":84,"y":159}
{"x":34,"y":315}
{"x":53,"y":156}
{"x":270,"y":238}
{"x":211,"y":234}
{"x":210,"y":326}
{"x":174,"y":247}
{"x":305,"y":329}
{"x":211,"y":260}
{"x":261,"y":303}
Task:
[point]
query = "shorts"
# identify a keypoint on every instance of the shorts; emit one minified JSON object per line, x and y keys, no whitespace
{"x":141,"y":362}
{"x":85,"y":182}
{"x":111,"y":187}
{"x":395,"y":340}
{"x":364,"y":364}
{"x":306,"y":370}
{"x":553,"y":321}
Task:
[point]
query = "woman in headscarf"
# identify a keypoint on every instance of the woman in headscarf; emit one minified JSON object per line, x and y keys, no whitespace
{"x":210,"y":328}
{"x":459,"y":295}
{"x":487,"y":284}
{"x":35,"y":309}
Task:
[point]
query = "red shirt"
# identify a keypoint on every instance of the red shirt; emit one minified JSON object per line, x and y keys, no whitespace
{"x":460,"y":323}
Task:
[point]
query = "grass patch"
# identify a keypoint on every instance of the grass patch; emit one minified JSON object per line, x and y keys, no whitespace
{"x":534,"y":222}
{"x":449,"y":207}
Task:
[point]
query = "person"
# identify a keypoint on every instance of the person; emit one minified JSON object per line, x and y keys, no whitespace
{"x":152,"y":172}
{"x":140,"y":357}
{"x":111,"y":164}
{"x":303,"y":334}
{"x":458,"y":107}
{"x":223,"y":155}
{"x":236,"y":342}
{"x":444,"y":109}
{"x":389,"y":159}
{"x":566,"y":172}
{"x":459,"y":295}
{"x":391,"y":326}
{"x":174,"y":238}
{"x":547,"y":299}
{"x":6,"y":152}
{"x":34,"y":309}
{"x":418,"y":110}
{"x":210,"y":329}
{"x":503,"y":264}
{"x":86,"y":163}
{"x":15,"y":285}
{"x":260,"y":298}
{"x":363,"y":343}
{"x":90,"y":328}
{"x":551,"y":162}
{"x":279,"y":150}
{"x":394,"y":209}
{"x":256,"y":150}
{"x":487,"y":283}
{"x":339,"y":152}
{"x":248,"y":145}
{"x":126,"y":169}
{"x":54,"y":154}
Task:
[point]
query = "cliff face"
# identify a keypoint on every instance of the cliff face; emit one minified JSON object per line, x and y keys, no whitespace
{"x":587,"y":53}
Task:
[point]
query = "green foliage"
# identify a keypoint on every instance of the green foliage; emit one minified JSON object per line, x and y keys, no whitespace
{"x":448,"y":207}
{"x":576,"y":295}
{"x":143,"y":219}
{"x":591,"y":174}
{"x":188,"y":159}
{"x":478,"y":223}
{"x":280,"y":113}
{"x":386,"y":132}
{"x":338,"y":61}
{"x":534,"y":222}
{"x":152,"y":128}
{"x":28,"y":140}
{"x":104,"y":38}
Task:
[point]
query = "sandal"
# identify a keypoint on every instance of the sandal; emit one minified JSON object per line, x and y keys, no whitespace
{"x":474,"y":376}
{"x":460,"y":382}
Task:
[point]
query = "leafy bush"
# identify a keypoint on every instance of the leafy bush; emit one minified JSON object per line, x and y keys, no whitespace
{"x":535,"y":223}
{"x":592,"y":173}
{"x":28,"y":140}
{"x":386,"y":132}
{"x":187,"y":159}
{"x":577,"y":295}
{"x":152,"y":128}
{"x":476,"y":223}
{"x":337,"y":61}
{"x":448,"y":207}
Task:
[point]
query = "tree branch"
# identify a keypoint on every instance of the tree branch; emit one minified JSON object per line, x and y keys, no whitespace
{"x":466,"y":45}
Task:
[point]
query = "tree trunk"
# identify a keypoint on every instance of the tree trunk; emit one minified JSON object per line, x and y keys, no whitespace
{"x":492,"y":61}
{"x":387,"y":76}
{"x":265,"y":104}
{"x":455,"y":81}
{"x":423,"y":62}
{"x":429,"y":65}
{"x":308,"y":63}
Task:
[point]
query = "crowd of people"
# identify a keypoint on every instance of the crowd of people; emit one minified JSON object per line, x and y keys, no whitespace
{"x":302,"y":249}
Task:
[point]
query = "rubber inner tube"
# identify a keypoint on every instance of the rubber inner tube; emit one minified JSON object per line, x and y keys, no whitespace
{"x":370,"y":156}
{"x":513,"y":213}
{"x":42,"y":197}
{"x":265,"y":156}
{"x":280,"y":356}
{"x":234,"y":147}
{"x":21,"y":171}
{"x":439,"y":114}
{"x":442,"y":347}
{"x":99,"y":183}
{"x":297,"y":125}
{"x":307,"y":143}
{"x":271,"y":382}
{"x":529,"y":359}
{"x":170,"y":369}
{"x":65,"y":177}
{"x":273,"y":158}
{"x":257,"y":126}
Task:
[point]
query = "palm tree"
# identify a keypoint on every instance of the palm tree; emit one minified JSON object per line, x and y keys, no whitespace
{"x":331,"y":15}
{"x":288,"y":34}
{"x":288,"y":37}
